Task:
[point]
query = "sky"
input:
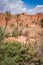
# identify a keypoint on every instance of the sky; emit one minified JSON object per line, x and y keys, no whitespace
{"x":20,"y":6}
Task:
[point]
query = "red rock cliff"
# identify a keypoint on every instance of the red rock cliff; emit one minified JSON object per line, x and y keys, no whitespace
{"x":25,"y":18}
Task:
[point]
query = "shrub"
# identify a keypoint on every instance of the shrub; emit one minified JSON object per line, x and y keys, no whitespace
{"x":7,"y":34}
{"x":41,"y":22}
{"x":12,"y":25}
{"x":1,"y":34}
{"x":20,"y":24}
{"x":14,"y":33}
{"x":14,"y":53}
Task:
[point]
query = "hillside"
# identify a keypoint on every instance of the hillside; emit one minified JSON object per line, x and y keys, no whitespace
{"x":21,"y":40}
{"x":28,"y":25}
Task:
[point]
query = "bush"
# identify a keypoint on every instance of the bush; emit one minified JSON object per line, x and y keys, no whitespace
{"x":41,"y":23}
{"x":12,"y":25}
{"x":14,"y":33}
{"x":7,"y":34}
{"x":14,"y":53}
{"x":1,"y":34}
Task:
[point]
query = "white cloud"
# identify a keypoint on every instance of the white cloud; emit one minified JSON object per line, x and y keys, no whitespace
{"x":15,"y":7}
{"x":4,"y":1}
{"x":18,"y":6}
{"x":37,"y":9}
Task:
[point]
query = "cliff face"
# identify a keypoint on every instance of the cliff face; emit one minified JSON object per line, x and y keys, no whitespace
{"x":28,"y":26}
{"x":24,"y":18}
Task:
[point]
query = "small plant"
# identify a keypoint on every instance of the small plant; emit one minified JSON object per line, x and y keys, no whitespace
{"x":14,"y":33}
{"x":41,"y":22}
{"x":1,"y":34}
{"x":20,"y":24}
{"x":12,"y":25}
{"x":7,"y":34}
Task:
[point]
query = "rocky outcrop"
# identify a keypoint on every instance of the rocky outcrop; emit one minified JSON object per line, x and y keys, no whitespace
{"x":23,"y":17}
{"x":28,"y":26}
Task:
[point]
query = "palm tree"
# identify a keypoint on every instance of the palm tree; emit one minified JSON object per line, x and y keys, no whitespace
{"x":7,"y":18}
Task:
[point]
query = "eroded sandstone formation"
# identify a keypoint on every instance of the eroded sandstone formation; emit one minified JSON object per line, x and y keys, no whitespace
{"x":24,"y":18}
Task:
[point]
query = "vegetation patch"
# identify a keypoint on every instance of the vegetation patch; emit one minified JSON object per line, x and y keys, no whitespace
{"x":14,"y":53}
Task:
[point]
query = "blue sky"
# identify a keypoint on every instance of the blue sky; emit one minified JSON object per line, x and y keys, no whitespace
{"x":33,"y":2}
{"x":19,"y":6}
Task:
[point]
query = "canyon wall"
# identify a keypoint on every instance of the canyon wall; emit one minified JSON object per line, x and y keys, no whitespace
{"x":23,"y":17}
